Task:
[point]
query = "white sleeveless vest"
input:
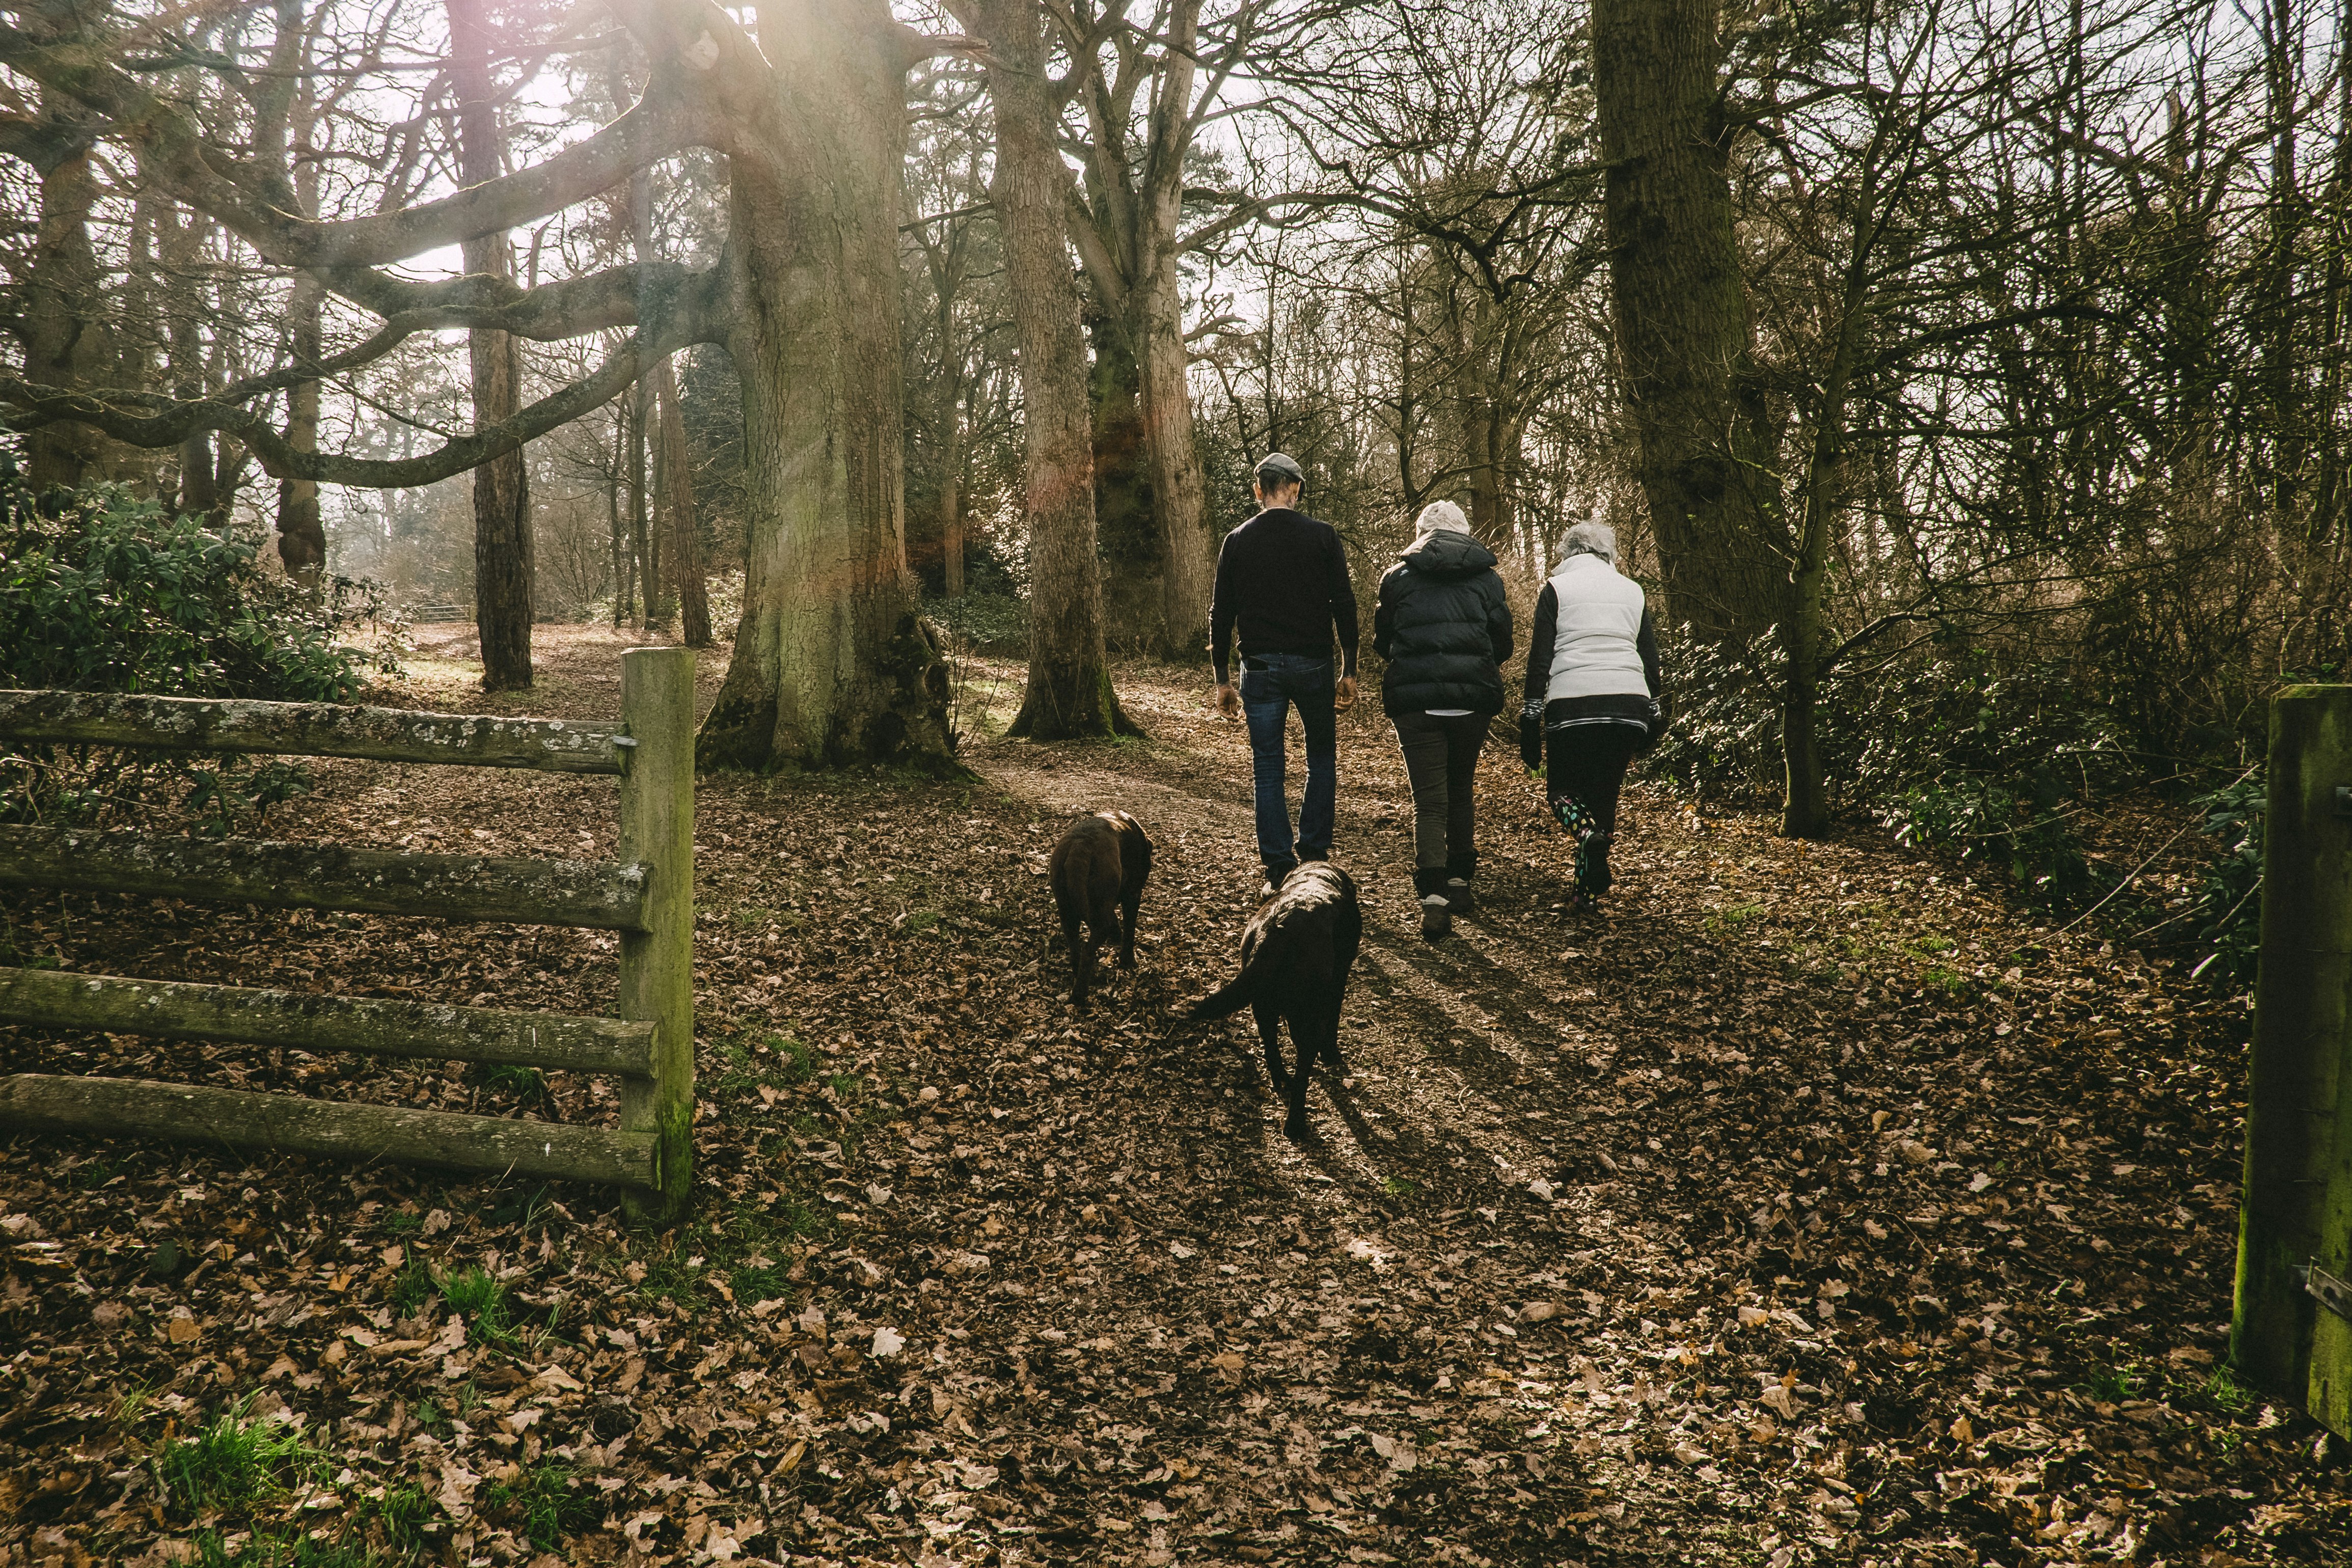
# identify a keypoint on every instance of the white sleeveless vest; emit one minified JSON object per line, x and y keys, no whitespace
{"x":1595,"y":649}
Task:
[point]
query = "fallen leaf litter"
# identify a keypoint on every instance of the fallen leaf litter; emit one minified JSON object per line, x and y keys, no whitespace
{"x":1811,"y":1206}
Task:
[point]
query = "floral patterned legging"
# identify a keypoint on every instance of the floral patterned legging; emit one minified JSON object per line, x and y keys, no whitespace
{"x":1584,"y":770}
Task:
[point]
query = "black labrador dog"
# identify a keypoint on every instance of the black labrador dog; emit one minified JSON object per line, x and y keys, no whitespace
{"x":1295,"y":954}
{"x":1098,"y":873}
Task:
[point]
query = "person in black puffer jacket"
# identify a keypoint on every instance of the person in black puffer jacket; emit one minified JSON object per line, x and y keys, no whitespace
{"x":1444,"y":627}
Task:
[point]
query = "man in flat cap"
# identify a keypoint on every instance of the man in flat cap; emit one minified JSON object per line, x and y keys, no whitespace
{"x":1282,"y":580}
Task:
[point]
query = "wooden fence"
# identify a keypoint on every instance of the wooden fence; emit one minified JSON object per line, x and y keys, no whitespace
{"x":2290,"y":1333}
{"x":646,"y":895}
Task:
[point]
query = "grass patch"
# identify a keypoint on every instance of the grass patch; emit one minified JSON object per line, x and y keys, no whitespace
{"x":747,"y":1064}
{"x":2114,"y":1383}
{"x":527,"y":1084}
{"x":922,"y":920}
{"x":2226,"y":1394}
{"x":401,"y":1222}
{"x":1733,"y":918}
{"x":297,"y":1549}
{"x":235,"y":1462}
{"x":1397,"y":1186}
{"x":411,"y":1288}
{"x":483,"y":1302}
{"x":399,"y":1516}
{"x":545,"y":1504}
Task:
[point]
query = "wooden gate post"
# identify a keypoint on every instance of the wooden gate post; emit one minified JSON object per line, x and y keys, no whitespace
{"x":2289,"y":1335}
{"x":658,"y":962}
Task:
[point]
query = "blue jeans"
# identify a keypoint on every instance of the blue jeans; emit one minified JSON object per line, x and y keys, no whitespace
{"x":1270,"y":683}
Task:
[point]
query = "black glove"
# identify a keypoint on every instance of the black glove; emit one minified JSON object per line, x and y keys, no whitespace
{"x":1531,"y":735}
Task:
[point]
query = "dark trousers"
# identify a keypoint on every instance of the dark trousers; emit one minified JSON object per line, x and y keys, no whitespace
{"x":1441,"y":760}
{"x":1584,"y":771}
{"x":1270,"y":683}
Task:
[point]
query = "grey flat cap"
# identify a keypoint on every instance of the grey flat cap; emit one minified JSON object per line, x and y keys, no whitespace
{"x":1283,"y":464}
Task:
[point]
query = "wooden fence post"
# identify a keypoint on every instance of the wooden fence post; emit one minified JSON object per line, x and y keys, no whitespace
{"x":2295,"y":1234}
{"x":657,"y":962}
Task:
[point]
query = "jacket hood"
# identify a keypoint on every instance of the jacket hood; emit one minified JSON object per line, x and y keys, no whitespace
{"x":1445,"y":553}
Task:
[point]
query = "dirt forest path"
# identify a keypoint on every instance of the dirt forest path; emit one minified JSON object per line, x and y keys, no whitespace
{"x":1813,"y":1205}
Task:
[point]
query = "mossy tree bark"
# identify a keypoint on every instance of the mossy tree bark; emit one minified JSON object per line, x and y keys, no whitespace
{"x":832,"y":663}
{"x":1680,"y":309}
{"x":503,"y":571}
{"x":1069,"y":694}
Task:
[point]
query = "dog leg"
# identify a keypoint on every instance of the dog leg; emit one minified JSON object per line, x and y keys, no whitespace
{"x":1269,"y":1034}
{"x":1127,"y":906}
{"x":1306,"y":1035}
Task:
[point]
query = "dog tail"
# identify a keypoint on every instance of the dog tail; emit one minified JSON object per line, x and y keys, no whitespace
{"x":1230,"y":999}
{"x":1264,"y":959}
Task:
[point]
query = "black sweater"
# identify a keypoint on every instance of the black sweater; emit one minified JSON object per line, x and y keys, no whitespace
{"x":1282,"y":579}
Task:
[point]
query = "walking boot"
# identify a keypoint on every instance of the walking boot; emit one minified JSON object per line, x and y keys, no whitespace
{"x":1436,"y":913}
{"x":1596,"y":879}
{"x":1459,"y":869}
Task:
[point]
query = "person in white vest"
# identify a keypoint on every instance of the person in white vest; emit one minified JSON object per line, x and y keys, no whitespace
{"x":1591,"y":696}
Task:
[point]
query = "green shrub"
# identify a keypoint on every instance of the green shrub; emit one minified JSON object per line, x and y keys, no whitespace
{"x":2228,"y":899}
{"x":992,"y":622}
{"x":100,"y":590}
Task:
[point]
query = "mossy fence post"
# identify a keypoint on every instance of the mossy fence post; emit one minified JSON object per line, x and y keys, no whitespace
{"x":2290,"y":1333}
{"x":657,"y":958}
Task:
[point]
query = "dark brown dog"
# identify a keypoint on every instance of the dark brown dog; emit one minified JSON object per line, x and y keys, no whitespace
{"x":1099,"y":871}
{"x":1295,"y":954}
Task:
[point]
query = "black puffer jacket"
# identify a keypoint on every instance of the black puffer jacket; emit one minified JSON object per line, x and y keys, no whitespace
{"x":1443,"y":626}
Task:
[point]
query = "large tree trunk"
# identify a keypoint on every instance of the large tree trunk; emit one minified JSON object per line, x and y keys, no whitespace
{"x":301,"y":531}
{"x":951,"y":498}
{"x":68,"y":342}
{"x":673,"y":482}
{"x":180,"y":243}
{"x":641,"y":425}
{"x":1126,"y":529}
{"x":832,"y":663}
{"x":1178,"y":492}
{"x":1069,"y":694}
{"x":502,"y":541}
{"x":642,"y":544}
{"x":1680,"y":308}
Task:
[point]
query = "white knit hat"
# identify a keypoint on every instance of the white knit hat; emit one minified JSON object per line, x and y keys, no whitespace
{"x":1440,"y":515}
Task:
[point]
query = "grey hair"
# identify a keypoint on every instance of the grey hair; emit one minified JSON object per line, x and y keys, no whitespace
{"x":1589,"y":539}
{"x":1440,"y":515}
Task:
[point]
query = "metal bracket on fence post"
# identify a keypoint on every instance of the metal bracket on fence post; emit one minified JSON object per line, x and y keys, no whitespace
{"x":2288,"y":1336}
{"x":658,"y":962}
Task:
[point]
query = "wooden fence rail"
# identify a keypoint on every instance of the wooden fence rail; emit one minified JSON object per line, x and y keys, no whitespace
{"x":314,"y":729}
{"x":646,"y":895}
{"x":174,"y":1010}
{"x":328,"y":876}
